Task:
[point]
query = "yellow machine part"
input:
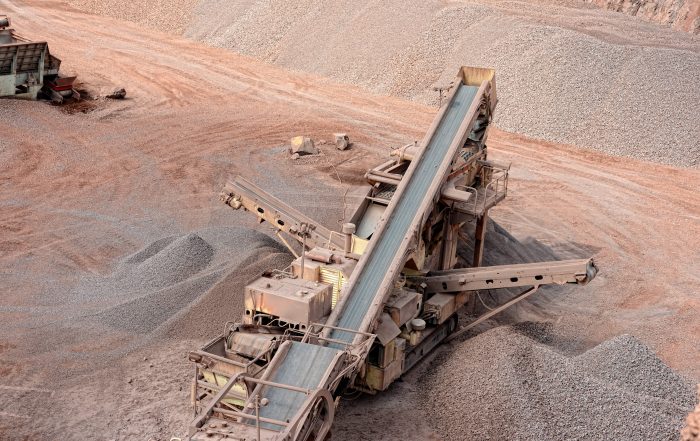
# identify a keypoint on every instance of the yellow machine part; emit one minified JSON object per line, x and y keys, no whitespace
{"x":359,"y":245}
{"x":220,"y":381}
{"x":335,"y":278}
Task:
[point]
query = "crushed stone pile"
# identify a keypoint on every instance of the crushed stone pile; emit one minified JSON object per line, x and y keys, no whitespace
{"x":507,"y":384}
{"x":632,"y":93}
{"x":166,"y":262}
{"x":167,"y":278}
{"x":169,"y":16}
{"x":691,"y":431}
{"x":554,"y":83}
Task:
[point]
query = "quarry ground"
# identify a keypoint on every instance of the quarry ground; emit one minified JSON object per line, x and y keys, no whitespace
{"x":81,"y":191}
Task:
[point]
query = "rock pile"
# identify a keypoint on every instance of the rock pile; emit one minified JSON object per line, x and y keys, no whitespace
{"x":554,"y":83}
{"x":630,"y":93}
{"x":503,"y":384}
{"x":691,"y":431}
{"x":169,"y":277}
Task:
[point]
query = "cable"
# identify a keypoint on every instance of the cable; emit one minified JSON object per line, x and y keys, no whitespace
{"x":482,"y":301}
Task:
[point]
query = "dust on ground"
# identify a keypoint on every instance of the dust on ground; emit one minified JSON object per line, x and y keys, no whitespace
{"x":86,"y":198}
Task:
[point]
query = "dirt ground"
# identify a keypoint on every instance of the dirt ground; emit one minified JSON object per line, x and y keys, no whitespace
{"x":79,"y":191}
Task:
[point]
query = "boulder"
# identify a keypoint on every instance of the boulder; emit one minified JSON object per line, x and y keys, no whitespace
{"x":342,"y":141}
{"x":117,"y":94}
{"x":303,"y":145}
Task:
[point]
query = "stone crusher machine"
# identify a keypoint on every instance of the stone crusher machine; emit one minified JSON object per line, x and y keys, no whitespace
{"x":360,"y":307}
{"x":28,"y":69}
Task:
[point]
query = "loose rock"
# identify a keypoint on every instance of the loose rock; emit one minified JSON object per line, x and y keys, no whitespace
{"x":302,"y":145}
{"x":342,"y":141}
{"x":117,"y":94}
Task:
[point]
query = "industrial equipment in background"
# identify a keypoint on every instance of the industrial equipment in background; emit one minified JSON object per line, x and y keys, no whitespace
{"x":360,"y":307}
{"x":27,"y":69}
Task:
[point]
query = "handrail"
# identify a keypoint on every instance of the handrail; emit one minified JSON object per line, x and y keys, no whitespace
{"x":250,"y":416}
{"x":225,"y":390}
{"x":318,"y":334}
{"x":247,"y":366}
{"x":199,"y":421}
{"x":473,"y":191}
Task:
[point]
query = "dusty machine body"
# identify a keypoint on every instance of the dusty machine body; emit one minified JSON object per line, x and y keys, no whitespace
{"x":28,"y":68}
{"x":359,"y":307}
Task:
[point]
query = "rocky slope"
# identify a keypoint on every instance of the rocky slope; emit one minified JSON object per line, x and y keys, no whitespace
{"x":683,"y":15}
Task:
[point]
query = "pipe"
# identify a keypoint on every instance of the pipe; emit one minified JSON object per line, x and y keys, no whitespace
{"x":348,"y":231}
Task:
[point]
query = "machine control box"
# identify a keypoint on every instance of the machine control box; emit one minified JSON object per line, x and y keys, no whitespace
{"x":293,"y":300}
{"x":404,"y":305}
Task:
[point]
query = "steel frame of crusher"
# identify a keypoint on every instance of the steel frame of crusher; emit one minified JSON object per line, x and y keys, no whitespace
{"x":359,"y":308}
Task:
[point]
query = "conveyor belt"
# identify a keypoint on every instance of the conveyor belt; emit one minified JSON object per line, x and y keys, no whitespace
{"x":305,"y":365}
{"x":267,"y":207}
{"x":378,"y":265}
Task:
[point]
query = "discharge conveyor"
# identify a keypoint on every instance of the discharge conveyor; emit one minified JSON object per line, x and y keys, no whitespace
{"x":385,"y":256}
{"x":306,"y":368}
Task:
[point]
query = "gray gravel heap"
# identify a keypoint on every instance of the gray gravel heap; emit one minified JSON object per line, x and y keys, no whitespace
{"x":166,"y":261}
{"x":503,"y":384}
{"x":631,"y":92}
{"x":554,"y":83}
{"x":170,"y":275}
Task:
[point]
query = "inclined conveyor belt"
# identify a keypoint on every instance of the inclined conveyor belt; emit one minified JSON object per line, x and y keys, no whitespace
{"x":306,"y":365}
{"x":303,"y":366}
{"x":383,"y":255}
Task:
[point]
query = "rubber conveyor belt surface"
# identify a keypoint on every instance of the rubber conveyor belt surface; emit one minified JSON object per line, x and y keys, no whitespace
{"x":389,"y":239}
{"x":303,"y":366}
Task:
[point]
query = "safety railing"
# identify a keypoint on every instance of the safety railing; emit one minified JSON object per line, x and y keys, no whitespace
{"x":214,"y":406}
{"x":492,"y":189}
{"x":209,"y":361}
{"x":316,"y":331}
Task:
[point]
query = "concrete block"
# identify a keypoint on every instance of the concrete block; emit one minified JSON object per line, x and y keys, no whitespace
{"x":342,"y":141}
{"x":303,"y":145}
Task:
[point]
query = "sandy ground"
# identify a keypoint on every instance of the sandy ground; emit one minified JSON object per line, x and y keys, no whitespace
{"x":567,"y":72}
{"x":79,"y":191}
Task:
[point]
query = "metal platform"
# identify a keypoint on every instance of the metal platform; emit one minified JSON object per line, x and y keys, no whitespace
{"x":482,"y":199}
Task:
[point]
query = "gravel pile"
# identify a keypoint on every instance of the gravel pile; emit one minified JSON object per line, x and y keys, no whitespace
{"x":168,"y":277}
{"x":223,"y":302}
{"x":507,"y":383}
{"x":555,"y":84}
{"x":169,"y":15}
{"x":630,"y":97}
{"x":165,"y":262}
{"x":691,"y":431}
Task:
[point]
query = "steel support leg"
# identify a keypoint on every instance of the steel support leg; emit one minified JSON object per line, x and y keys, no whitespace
{"x":449,"y":243}
{"x":479,"y":238}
